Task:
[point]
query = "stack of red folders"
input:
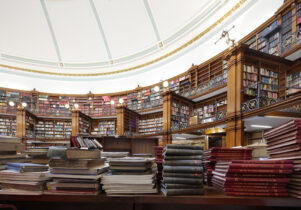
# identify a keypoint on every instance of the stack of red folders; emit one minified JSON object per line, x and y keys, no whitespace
{"x":159,"y":159}
{"x":216,"y":154}
{"x":284,"y":143}
{"x":253,"y":177}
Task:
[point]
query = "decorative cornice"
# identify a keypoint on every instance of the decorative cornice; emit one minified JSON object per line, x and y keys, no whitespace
{"x":210,"y":28}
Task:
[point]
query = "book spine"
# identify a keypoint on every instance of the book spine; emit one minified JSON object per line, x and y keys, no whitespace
{"x":171,"y":192}
{"x":177,"y":180}
{"x":256,"y":194}
{"x":261,"y":190}
{"x":263,"y":161}
{"x":257,"y":166}
{"x":181,"y":146}
{"x":188,"y":175}
{"x":183,"y":162}
{"x":183,"y":169}
{"x":271,"y":180}
{"x":183,"y":152}
{"x":191,"y":157}
{"x":258,"y":171}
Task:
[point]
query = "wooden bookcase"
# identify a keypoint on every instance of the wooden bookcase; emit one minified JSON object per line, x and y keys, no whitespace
{"x":104,"y":126}
{"x":150,"y":123}
{"x":81,"y":123}
{"x":278,"y":35}
{"x":127,"y":121}
{"x":7,"y":125}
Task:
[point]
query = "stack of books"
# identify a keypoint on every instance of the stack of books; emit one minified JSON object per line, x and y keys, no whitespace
{"x":182,"y":170}
{"x":38,"y":155}
{"x":159,"y":160}
{"x":111,"y":155}
{"x":23,"y":179}
{"x":215,"y":154}
{"x":10,"y":148}
{"x":284,"y":143}
{"x":130,"y":175}
{"x":77,"y":174}
{"x":253,"y":177}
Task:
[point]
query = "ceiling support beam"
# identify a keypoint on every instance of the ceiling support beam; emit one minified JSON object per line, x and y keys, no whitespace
{"x":151,"y":17}
{"x":57,"y":49}
{"x":101,"y":29}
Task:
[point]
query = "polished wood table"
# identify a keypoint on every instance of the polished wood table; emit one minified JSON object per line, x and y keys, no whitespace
{"x":211,"y":199}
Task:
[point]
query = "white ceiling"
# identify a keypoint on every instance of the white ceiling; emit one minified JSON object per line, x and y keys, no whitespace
{"x":108,"y":36}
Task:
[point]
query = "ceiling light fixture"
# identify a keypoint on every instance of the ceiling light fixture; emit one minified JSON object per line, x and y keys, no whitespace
{"x":11,"y":103}
{"x":261,"y":126}
{"x":165,"y":84}
{"x":24,"y":104}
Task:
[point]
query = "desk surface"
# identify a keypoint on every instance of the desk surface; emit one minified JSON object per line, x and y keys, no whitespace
{"x":211,"y":197}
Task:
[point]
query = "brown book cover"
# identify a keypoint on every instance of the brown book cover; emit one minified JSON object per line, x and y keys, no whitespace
{"x":81,"y":163}
{"x":75,"y":153}
{"x":11,"y":147}
{"x":19,"y":185}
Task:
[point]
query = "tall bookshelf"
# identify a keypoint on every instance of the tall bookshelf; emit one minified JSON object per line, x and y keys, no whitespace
{"x":7,"y":125}
{"x":150,"y":123}
{"x":264,"y":77}
{"x":30,"y":122}
{"x":180,"y":113}
{"x":53,"y":129}
{"x":293,"y":83}
{"x":104,"y":127}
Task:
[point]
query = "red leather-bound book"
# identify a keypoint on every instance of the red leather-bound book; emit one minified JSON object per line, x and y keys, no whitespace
{"x":256,"y":194}
{"x":263,"y":161}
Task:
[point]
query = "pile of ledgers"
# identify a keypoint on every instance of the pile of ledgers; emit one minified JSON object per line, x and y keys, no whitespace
{"x":253,"y":177}
{"x":216,"y":154}
{"x":111,"y":155}
{"x":10,"y":148}
{"x":182,"y":170}
{"x":284,"y":143}
{"x":78,"y":172}
{"x":23,"y":179}
{"x":130,"y":175}
{"x":159,"y":161}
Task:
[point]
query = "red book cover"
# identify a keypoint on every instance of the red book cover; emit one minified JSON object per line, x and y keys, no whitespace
{"x":263,"y":171}
{"x":263,"y":161}
{"x":283,"y":143}
{"x":272,"y":180}
{"x":259,"y":166}
{"x":255,"y":185}
{"x":285,"y":137}
{"x":283,"y":126}
{"x":296,"y":154}
{"x":256,"y":194}
{"x":261,"y":190}
{"x":290,"y":148}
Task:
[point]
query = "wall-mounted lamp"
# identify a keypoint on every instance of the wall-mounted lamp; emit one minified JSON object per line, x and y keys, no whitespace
{"x":11,"y":103}
{"x":112,"y":102}
{"x":156,"y":89}
{"x":67,"y":106}
{"x":76,"y":106}
{"x":121,"y":101}
{"x":24,"y":104}
{"x":165,"y":84}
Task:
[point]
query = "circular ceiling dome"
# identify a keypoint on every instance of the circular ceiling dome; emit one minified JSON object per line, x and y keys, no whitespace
{"x":86,"y":45}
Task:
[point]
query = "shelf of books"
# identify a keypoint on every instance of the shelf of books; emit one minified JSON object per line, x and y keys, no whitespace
{"x":53,"y":129}
{"x":293,"y":83}
{"x":207,"y":111}
{"x":144,"y":99}
{"x":7,"y":125}
{"x":266,"y":79}
{"x":84,"y":123}
{"x":180,"y":113}
{"x":30,"y":121}
{"x":150,"y":123}
{"x":277,"y":37}
{"x":131,"y":119}
{"x":104,"y":127}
